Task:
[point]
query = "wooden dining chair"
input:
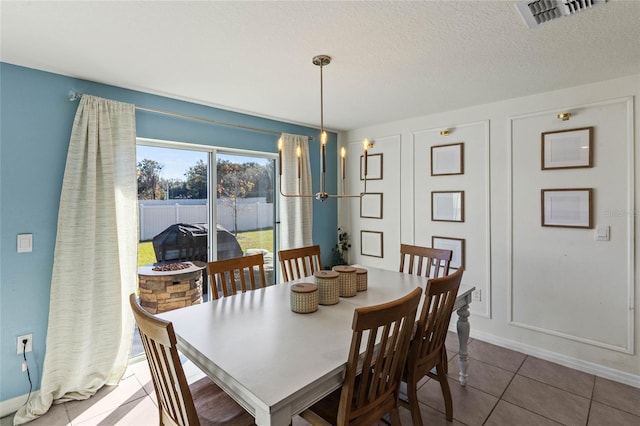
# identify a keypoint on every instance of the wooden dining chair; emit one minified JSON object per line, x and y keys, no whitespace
{"x":235,"y":275}
{"x":201,"y":403}
{"x":299,"y":262}
{"x":429,"y":262}
{"x":426,"y":261}
{"x":372,"y":378}
{"x":427,"y":345}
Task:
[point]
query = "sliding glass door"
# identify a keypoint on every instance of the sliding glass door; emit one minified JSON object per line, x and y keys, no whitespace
{"x":183,"y":189}
{"x":245,"y":205}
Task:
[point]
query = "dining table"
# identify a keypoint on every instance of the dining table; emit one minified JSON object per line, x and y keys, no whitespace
{"x":276,"y":363}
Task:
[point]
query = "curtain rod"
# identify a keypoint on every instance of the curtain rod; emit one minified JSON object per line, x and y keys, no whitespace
{"x":74,"y":96}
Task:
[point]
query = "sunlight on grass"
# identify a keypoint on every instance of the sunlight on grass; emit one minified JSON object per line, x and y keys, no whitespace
{"x":247,"y":240}
{"x":146,"y":255}
{"x":256,"y":240}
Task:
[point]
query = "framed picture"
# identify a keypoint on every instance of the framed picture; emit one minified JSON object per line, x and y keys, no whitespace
{"x":567,"y":208}
{"x":373,"y":167}
{"x":567,"y":149}
{"x":447,"y":159}
{"x":371,"y":205}
{"x":456,"y":245}
{"x":447,"y":206}
{"x":371,"y":243}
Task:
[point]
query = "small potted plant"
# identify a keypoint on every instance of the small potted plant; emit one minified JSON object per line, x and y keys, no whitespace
{"x":341,"y":250}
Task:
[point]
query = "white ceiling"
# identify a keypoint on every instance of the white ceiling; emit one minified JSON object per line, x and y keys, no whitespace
{"x":391,"y":60}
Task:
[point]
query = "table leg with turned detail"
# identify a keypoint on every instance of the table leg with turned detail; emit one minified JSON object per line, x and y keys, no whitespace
{"x":463,"y":327}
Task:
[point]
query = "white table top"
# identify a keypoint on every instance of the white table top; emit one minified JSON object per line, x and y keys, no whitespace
{"x":271,"y":359}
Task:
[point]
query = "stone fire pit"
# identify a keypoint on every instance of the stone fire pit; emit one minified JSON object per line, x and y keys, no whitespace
{"x":170,"y":286}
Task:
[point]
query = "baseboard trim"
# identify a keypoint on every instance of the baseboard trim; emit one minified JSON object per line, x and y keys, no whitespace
{"x":575,"y":363}
{"x":12,"y":405}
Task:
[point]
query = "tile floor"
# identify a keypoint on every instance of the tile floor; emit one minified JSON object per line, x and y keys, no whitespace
{"x":505,"y":388}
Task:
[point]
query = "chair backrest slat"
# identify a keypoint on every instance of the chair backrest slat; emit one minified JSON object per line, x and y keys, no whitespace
{"x":175,"y":403}
{"x":431,"y":262}
{"x":229,"y":276}
{"x":299,"y":262}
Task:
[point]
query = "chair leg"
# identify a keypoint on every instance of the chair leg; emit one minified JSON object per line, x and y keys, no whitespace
{"x":445,"y":360}
{"x":414,"y":406}
{"x":395,"y":417}
{"x":446,"y":392}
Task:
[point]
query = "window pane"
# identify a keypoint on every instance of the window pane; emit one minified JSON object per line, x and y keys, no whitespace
{"x":173,"y":214}
{"x":245,"y":193}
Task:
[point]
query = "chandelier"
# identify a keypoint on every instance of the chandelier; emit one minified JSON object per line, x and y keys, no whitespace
{"x":321,"y":61}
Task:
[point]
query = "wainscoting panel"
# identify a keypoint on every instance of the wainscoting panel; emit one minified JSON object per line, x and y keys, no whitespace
{"x":474,"y":181}
{"x":385,"y":169}
{"x":564,"y":281}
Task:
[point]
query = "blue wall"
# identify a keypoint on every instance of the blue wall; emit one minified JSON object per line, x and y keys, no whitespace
{"x":36,"y":117}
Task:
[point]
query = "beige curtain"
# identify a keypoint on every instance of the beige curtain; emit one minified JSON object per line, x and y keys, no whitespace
{"x":94,"y":270}
{"x":296,"y":214}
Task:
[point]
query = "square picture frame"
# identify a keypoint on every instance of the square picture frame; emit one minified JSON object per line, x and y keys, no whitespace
{"x":447,"y":160}
{"x":371,"y":243}
{"x":371,"y":205}
{"x":567,"y":207}
{"x":456,"y":245}
{"x":567,"y":149}
{"x":447,"y":206}
{"x":374,"y":167}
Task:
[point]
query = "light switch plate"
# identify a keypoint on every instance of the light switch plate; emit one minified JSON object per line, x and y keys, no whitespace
{"x":602,"y":233}
{"x":25,"y":243}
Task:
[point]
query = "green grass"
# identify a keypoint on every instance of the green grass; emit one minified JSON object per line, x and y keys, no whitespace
{"x":247,"y":240}
{"x":256,"y":240}
{"x":146,"y":255}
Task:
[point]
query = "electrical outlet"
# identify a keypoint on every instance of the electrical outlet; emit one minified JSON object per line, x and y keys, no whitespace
{"x":476,"y":295}
{"x":21,"y":346}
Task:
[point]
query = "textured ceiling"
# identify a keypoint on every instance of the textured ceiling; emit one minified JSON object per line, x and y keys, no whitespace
{"x":391,"y":60}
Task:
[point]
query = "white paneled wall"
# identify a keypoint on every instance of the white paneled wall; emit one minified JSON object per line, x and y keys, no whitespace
{"x":474,"y":230}
{"x":561,"y":266}
{"x":386,"y":155}
{"x":554,"y":293}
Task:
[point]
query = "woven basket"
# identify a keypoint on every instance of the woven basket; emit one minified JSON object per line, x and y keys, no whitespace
{"x":304,"y":298}
{"x":328,"y":287}
{"x":361,"y":279}
{"x":348,"y":285}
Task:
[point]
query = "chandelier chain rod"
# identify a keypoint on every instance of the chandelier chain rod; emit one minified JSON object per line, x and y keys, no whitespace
{"x":320,"y":61}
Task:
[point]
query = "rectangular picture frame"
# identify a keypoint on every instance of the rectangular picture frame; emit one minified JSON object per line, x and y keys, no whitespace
{"x":371,"y":243}
{"x":447,"y":160}
{"x":371,"y":205}
{"x":456,"y":245}
{"x":374,"y":167}
{"x":447,"y":206}
{"x":567,"y":149}
{"x":567,"y":207}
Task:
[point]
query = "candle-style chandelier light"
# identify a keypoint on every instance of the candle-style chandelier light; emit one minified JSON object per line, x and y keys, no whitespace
{"x":321,"y":61}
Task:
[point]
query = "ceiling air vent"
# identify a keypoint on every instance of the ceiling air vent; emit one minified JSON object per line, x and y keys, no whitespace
{"x":537,"y":12}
